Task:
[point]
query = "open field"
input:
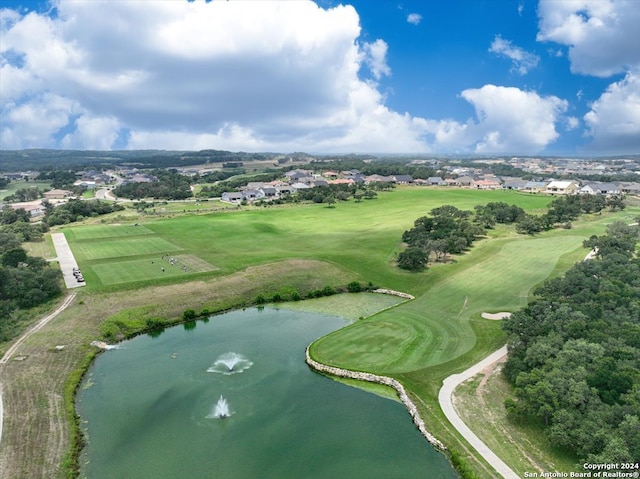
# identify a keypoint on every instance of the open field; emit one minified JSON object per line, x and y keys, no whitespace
{"x":263,"y":250}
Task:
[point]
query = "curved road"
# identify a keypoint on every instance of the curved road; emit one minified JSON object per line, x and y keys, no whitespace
{"x":7,"y":356}
{"x":444,"y":398}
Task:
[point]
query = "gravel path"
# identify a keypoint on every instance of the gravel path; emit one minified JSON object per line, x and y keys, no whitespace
{"x":444,"y":398}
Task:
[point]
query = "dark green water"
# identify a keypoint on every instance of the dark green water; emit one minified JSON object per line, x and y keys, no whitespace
{"x":145,"y":407}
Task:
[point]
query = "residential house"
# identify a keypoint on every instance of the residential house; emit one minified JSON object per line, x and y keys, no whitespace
{"x":34,"y":208}
{"x":232,"y":197}
{"x":252,"y":195}
{"x":514,"y":184}
{"x":465,"y":180}
{"x":562,"y":187}
{"x":486,"y":184}
{"x":253,"y":185}
{"x":403,"y":179}
{"x":436,"y":181}
{"x":268,"y":192}
{"x":284,"y":189}
{"x":341,"y":181}
{"x":57,"y":194}
{"x":630,"y":188}
{"x":378,"y":179}
{"x":297,"y":175}
{"x":314,"y":183}
{"x":535,"y":186}
{"x":600,"y":188}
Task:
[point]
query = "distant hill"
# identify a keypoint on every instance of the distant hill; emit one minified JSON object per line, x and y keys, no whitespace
{"x":40,"y":159}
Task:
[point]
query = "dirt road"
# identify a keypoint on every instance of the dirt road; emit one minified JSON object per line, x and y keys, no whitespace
{"x":40,"y":324}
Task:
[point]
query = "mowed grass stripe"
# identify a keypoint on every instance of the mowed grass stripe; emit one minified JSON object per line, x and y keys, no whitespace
{"x":117,"y":272}
{"x":435,"y":328}
{"x":122,"y":247}
{"x":82,"y":233}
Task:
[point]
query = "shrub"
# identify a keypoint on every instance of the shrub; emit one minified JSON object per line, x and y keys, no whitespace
{"x":189,"y":314}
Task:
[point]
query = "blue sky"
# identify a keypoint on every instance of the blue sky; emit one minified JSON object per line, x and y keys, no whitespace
{"x":488,"y":77}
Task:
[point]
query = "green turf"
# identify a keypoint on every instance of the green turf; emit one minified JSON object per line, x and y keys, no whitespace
{"x":117,"y":272}
{"x":146,"y":245}
{"x":435,"y":327}
{"x":81,"y":233}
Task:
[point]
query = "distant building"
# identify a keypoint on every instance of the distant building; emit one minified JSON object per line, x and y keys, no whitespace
{"x":56,"y":194}
{"x":600,"y":188}
{"x":562,"y":187}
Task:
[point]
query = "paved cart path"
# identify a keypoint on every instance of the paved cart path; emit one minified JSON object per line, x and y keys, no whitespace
{"x":66,"y":260}
{"x":444,"y":398}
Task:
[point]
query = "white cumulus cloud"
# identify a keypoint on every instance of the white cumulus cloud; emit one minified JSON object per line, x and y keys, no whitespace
{"x":522,"y":60}
{"x":602,"y":35}
{"x":376,"y":58}
{"x":614,"y":119}
{"x":199,"y":75}
{"x":414,"y":18}
{"x":508,"y":119}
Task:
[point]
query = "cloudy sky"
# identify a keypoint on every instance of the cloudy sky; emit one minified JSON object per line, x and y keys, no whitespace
{"x":406,"y":76}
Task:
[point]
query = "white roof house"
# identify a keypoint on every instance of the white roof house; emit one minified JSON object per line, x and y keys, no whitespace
{"x":562,"y":187}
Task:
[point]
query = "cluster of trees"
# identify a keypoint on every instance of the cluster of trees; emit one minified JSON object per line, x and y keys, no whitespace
{"x":447,"y":230}
{"x":384,"y":167}
{"x":25,"y":281}
{"x":171,"y":185}
{"x":63,"y":179}
{"x":331,"y":194}
{"x":497,"y":212}
{"x":565,"y":209}
{"x":574,"y":353}
{"x":77,"y":210}
{"x":24,"y":194}
{"x":15,"y":227}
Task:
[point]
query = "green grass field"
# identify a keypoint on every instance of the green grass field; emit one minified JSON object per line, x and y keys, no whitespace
{"x":419,"y":342}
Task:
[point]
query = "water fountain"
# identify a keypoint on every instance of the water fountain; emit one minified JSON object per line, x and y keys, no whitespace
{"x":230,"y":363}
{"x":220,"y":410}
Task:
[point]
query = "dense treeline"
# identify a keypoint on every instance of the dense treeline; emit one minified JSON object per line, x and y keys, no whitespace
{"x":378,"y":167}
{"x":25,"y":281}
{"x":170,"y":186}
{"x":40,"y":159}
{"x":574,"y":353}
{"x":77,"y":210}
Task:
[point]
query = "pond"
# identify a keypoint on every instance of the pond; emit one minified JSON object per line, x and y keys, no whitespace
{"x":152,"y":408}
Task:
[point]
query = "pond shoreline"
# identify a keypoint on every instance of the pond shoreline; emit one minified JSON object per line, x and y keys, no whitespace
{"x":387,"y":381}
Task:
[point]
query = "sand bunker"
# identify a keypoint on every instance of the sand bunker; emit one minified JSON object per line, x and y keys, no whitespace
{"x":496,"y":315}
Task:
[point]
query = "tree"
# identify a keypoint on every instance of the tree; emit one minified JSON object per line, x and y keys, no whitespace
{"x":14,"y":257}
{"x":412,"y":259}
